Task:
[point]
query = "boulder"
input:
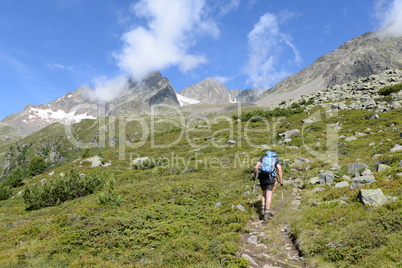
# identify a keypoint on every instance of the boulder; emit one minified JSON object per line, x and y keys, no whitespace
{"x":289,"y":134}
{"x":309,"y":120}
{"x":396,"y":148}
{"x":369,"y":104}
{"x":353,"y":168}
{"x":360,"y":134}
{"x":366,"y":172}
{"x":301,"y":161}
{"x":372,"y":197}
{"x":342,"y":184}
{"x":326,"y":178}
{"x":375,"y":116}
{"x":96,"y":161}
{"x":140,"y":160}
{"x":350,"y":138}
{"x":314,"y":180}
{"x":240,"y":207}
{"x":395,"y":105}
{"x":360,"y":181}
{"x":400,"y":164}
{"x":319,"y":189}
{"x":339,"y":106}
{"x":382,"y":167}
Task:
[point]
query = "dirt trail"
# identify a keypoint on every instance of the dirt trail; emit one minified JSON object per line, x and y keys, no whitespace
{"x":267,"y":244}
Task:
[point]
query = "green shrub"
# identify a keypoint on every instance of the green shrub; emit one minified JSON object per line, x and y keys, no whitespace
{"x":36,"y":166}
{"x":85,"y":154}
{"x":15,"y":178}
{"x":258,"y":115}
{"x":109,"y":197}
{"x":385,"y":91}
{"x":5,"y":191}
{"x":62,"y":189}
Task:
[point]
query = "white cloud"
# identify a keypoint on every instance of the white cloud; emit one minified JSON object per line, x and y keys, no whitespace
{"x":229,"y":6}
{"x":57,"y":66}
{"x":107,"y":89}
{"x":172,"y":27}
{"x":389,"y":16}
{"x":266,"y":44}
{"x":169,"y":30}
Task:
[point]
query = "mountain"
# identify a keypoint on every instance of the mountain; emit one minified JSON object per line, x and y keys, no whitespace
{"x":76,"y":106}
{"x":368,"y":54}
{"x":247,"y":95}
{"x":208,"y":90}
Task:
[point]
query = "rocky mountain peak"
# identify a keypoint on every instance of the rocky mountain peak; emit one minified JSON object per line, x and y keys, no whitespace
{"x":208,"y":90}
{"x":362,"y":56}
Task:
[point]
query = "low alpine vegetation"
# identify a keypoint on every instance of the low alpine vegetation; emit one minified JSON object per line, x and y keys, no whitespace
{"x":64,"y":188}
{"x":385,"y":91}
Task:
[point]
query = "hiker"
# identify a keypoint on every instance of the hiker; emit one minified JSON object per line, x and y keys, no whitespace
{"x":266,"y":169}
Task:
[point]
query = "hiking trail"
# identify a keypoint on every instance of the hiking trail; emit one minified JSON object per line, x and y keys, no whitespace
{"x":267,"y":244}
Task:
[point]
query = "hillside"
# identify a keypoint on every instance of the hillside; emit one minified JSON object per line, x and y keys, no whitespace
{"x":174,"y":190}
{"x":360,"y":57}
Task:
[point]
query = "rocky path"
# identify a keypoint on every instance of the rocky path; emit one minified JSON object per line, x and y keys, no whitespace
{"x":269,"y":245}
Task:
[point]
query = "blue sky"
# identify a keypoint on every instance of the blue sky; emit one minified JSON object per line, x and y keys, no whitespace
{"x":51,"y":47}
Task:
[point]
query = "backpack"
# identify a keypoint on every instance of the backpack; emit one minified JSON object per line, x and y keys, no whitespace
{"x":267,"y":173}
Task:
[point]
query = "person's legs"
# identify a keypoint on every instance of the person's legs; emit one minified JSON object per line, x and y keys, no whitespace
{"x":268,"y":198}
{"x":264,"y":195}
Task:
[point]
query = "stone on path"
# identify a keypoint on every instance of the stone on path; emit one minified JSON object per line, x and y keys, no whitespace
{"x":250,"y":259}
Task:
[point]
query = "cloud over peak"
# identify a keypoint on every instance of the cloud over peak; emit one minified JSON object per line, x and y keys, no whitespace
{"x":171,"y":29}
{"x":266,"y":43}
{"x":389,"y":16}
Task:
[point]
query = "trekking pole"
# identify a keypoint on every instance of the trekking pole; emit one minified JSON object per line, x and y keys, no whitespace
{"x":254,"y":185}
{"x":284,"y":217}
{"x":252,"y":211}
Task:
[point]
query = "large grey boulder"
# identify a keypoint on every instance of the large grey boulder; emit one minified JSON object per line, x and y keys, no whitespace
{"x":369,"y":104}
{"x":342,"y":184}
{"x":382,"y":167}
{"x":358,"y":182}
{"x":350,"y":138}
{"x":396,"y":148}
{"x":140,"y":160}
{"x":326,"y":177}
{"x":96,"y":161}
{"x":353,"y":168}
{"x":288,"y":134}
{"x":372,"y":197}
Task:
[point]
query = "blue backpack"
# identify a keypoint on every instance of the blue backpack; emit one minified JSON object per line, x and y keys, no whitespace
{"x":267,"y":172}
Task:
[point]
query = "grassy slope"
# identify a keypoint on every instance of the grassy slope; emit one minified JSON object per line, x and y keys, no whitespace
{"x":168,"y":214}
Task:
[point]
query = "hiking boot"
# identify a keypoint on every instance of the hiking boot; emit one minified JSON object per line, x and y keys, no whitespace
{"x":268,"y":214}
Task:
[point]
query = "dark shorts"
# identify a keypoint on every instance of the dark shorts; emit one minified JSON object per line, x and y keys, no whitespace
{"x":269,"y":187}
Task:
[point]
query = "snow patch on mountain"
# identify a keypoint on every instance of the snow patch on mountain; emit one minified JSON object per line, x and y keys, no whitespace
{"x":185,"y":100}
{"x":50,"y":115}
